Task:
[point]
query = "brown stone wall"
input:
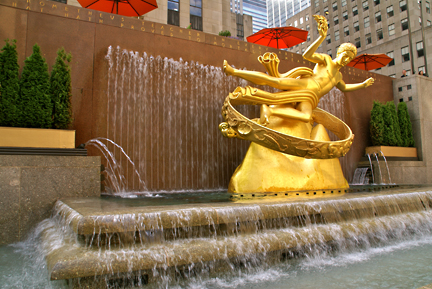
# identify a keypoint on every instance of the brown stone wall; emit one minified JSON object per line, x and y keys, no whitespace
{"x":87,"y":35}
{"x":30,"y":185}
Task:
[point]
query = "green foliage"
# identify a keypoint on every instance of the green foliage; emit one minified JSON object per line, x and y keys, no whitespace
{"x":36,"y":104}
{"x":225,"y":33}
{"x":61,"y":88}
{"x":390,"y":128}
{"x":377,"y":124}
{"x":405,"y":125}
{"x":395,"y":123}
{"x":389,"y":138}
{"x":9,"y":85}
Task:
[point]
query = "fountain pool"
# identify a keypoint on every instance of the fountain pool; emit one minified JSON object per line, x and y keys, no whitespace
{"x":392,"y":248}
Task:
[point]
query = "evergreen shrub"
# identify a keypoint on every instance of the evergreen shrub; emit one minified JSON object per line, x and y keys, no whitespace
{"x":60,"y":82}
{"x":405,"y":125}
{"x":36,"y":103}
{"x":9,"y":85}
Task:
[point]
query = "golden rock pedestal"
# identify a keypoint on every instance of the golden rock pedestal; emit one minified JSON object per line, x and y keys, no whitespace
{"x":264,"y":170}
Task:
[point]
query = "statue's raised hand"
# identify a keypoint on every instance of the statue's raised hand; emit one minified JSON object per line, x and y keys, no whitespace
{"x":369,"y":81}
{"x":322,"y":25}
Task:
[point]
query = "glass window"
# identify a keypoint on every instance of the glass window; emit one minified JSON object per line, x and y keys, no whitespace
{"x":365,"y":5}
{"x":357,"y":42}
{"x":355,"y":11}
{"x":196,"y":7}
{"x":346,"y":30}
{"x":366,"y":22}
{"x":240,"y":29}
{"x":376,"y":2}
{"x":380,"y":34}
{"x":329,"y":53}
{"x":325,"y":10}
{"x":336,"y":35}
{"x":422,"y":68}
{"x":391,"y":29}
{"x":391,"y":55}
{"x":404,"y":23}
{"x":196,"y":14}
{"x":336,"y":20}
{"x":356,"y":26}
{"x":307,"y":17}
{"x":403,"y":5}
{"x":390,"y":11}
{"x":173,"y":12}
{"x":334,"y":5}
{"x":427,"y":7}
{"x":317,"y":3}
{"x":173,"y":5}
{"x":328,"y":39}
{"x":368,"y":38}
{"x":343,"y":3}
{"x":307,"y":27}
{"x":429,"y":23}
{"x":378,"y":17}
{"x":405,"y":54}
{"x":308,"y":37}
{"x":295,"y":23}
{"x":420,"y":51}
{"x":392,"y":75}
{"x":301,"y":20}
{"x":345,"y":15}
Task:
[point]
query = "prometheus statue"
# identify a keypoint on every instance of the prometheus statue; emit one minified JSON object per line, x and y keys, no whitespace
{"x":291,"y":153}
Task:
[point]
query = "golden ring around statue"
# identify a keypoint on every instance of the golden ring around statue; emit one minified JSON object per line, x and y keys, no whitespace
{"x":237,"y":125}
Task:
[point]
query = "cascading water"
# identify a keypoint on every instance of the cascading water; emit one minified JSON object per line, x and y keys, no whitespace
{"x":187,"y":246}
{"x":164,"y":114}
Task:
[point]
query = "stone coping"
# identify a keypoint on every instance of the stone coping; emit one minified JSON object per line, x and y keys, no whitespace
{"x":106,"y":215}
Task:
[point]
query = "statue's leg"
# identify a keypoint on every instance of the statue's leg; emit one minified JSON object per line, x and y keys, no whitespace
{"x":302,"y":112}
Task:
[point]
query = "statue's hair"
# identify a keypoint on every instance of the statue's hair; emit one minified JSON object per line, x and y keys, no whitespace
{"x":347,"y":47}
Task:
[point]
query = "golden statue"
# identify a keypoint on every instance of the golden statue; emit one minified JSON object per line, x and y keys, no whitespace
{"x":287,"y":152}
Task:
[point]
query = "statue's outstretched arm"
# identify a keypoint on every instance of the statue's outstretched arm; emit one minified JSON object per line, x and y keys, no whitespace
{"x":310,"y":54}
{"x":351,"y":87}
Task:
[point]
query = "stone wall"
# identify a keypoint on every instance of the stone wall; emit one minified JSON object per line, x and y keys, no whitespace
{"x":30,"y":185}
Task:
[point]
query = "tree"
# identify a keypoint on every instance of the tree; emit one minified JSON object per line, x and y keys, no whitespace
{"x":60,"y":82}
{"x":389,"y":138}
{"x":377,"y":124}
{"x":405,"y":125}
{"x":9,"y":85}
{"x":36,"y":107}
{"x":396,"y":128}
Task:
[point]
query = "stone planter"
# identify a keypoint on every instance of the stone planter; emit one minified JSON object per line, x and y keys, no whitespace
{"x":37,"y":137}
{"x":389,"y":151}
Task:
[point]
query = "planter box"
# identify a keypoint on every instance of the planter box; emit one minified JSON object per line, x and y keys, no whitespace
{"x":36,"y":137}
{"x":402,"y":152}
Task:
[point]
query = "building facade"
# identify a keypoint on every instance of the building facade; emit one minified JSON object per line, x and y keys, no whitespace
{"x":208,"y":16}
{"x":258,"y":10}
{"x":374,"y":26}
{"x":278,"y":11}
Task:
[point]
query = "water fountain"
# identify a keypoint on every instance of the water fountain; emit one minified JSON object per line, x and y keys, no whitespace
{"x":189,"y":239}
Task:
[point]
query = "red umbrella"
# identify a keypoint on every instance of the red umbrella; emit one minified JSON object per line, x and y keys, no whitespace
{"x":370,"y":61}
{"x":121,"y":7}
{"x":279,"y":37}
